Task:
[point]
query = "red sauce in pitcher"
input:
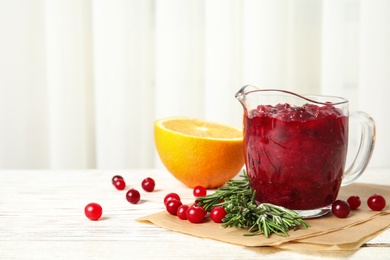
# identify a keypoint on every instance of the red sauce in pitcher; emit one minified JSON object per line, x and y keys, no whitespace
{"x":295,"y":156}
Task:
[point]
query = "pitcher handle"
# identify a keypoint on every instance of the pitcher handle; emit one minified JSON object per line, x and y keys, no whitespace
{"x":366,"y":146}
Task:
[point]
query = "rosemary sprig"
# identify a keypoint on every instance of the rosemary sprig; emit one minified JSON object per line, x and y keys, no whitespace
{"x":238,"y":200}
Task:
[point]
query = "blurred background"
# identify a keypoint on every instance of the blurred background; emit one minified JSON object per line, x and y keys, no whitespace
{"x":82,"y":81}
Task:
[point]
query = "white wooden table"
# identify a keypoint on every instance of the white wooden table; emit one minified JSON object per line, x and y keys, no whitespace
{"x":42,"y":217}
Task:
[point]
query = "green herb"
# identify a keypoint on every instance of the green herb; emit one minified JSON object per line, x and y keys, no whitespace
{"x":238,"y":199}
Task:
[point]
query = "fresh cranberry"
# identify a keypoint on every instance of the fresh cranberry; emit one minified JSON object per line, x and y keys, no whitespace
{"x":120,"y":184}
{"x":376,"y":202}
{"x":93,"y":211}
{"x":340,"y":209}
{"x":182,"y":212}
{"x":133,"y":196}
{"x":196,"y":214}
{"x":199,"y":191}
{"x":115,"y":178}
{"x":148,"y":184}
{"x":171,"y":196}
{"x":172,"y":206}
{"x":354,"y":202}
{"x":217,"y":214}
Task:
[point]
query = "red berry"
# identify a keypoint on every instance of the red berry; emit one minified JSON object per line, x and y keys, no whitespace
{"x":217,"y":214}
{"x":354,"y":202}
{"x":195,"y":214}
{"x":172,"y":206}
{"x":376,"y":202}
{"x":93,"y":211}
{"x":182,"y":212}
{"x":115,"y":178}
{"x":340,"y":209}
{"x":199,"y":191}
{"x":133,"y":196}
{"x":120,"y":184}
{"x":148,"y":184}
{"x":171,"y":196}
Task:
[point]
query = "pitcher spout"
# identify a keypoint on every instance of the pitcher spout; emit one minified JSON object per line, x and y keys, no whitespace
{"x":240,"y":95}
{"x":243,"y":92}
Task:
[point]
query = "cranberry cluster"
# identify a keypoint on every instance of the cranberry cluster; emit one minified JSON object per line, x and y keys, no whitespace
{"x":94,"y":211}
{"x":341,"y":208}
{"x":193,"y":213}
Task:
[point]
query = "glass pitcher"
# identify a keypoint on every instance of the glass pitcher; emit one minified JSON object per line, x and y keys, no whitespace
{"x":296,"y":147}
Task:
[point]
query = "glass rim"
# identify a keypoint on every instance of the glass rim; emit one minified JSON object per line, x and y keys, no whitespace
{"x":330,"y":100}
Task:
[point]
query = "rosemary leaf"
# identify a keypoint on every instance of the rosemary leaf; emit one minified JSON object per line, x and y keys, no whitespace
{"x":238,"y":200}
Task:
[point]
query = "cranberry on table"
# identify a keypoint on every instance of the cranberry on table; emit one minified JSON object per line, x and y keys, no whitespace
{"x":115,"y":178}
{"x":195,"y":213}
{"x":133,"y":196}
{"x":376,"y":202}
{"x":217,"y":214}
{"x":172,"y":206}
{"x":148,"y":184}
{"x":199,"y":191}
{"x":120,"y":184}
{"x":182,"y":212}
{"x":341,"y":209}
{"x":171,"y":196}
{"x":354,"y":202}
{"x":93,"y":211}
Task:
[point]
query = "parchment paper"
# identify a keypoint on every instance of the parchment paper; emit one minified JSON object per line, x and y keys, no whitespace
{"x":324,"y":233}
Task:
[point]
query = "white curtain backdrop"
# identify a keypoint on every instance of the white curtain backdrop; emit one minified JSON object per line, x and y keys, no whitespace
{"x":82,"y":81}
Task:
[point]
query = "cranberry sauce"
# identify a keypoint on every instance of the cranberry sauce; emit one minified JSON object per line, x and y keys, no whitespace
{"x":295,"y":156}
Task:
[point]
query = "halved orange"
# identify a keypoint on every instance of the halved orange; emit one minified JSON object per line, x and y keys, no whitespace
{"x":199,"y":152}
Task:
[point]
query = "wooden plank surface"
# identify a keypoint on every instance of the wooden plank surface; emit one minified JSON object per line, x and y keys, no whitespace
{"x":41,"y":217}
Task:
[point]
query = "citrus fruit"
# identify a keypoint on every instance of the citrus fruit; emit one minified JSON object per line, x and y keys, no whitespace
{"x":199,"y":152}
